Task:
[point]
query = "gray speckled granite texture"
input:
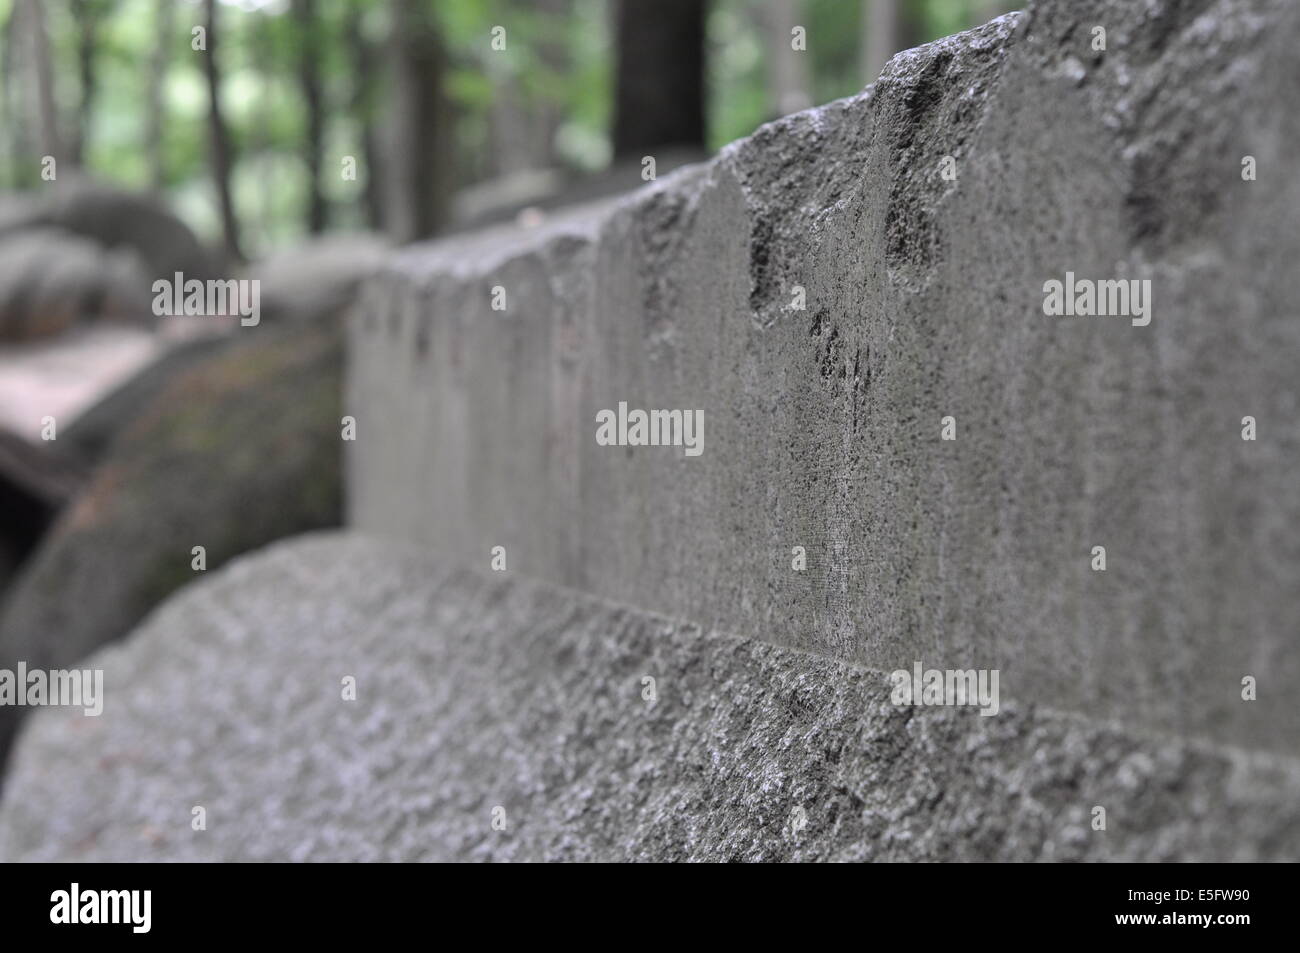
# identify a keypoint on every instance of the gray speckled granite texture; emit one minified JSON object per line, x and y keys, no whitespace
{"x":479,"y":690}
{"x":925,"y":296}
{"x":476,"y":428}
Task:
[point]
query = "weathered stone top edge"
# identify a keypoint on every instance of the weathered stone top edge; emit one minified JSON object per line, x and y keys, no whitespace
{"x":475,"y":254}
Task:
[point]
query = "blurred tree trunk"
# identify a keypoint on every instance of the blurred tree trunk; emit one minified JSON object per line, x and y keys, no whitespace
{"x":659,"y":90}
{"x":417,"y":174}
{"x":522,"y":122}
{"x":789,"y":85}
{"x":258,"y":144}
{"x":510,"y":130}
{"x":362,"y":58}
{"x":219,"y":139}
{"x":553,"y":55}
{"x":888,"y":26}
{"x":309,"y":49}
{"x":982,"y":11}
{"x":879,"y":34}
{"x":12,"y":122}
{"x":165,"y":18}
{"x":88,"y":14}
{"x":38,"y":48}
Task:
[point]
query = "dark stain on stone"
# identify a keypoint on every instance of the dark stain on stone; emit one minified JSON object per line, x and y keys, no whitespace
{"x":830,"y":353}
{"x":819,"y":319}
{"x":1168,"y":20}
{"x":760,"y":262}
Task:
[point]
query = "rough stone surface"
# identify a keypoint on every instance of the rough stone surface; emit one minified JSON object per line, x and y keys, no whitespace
{"x":115,"y":219}
{"x":318,"y":278}
{"x":51,"y":280}
{"x":476,"y":691}
{"x":36,"y":480}
{"x":479,"y":690}
{"x":476,"y":427}
{"x":92,"y":432}
{"x":235,"y":452}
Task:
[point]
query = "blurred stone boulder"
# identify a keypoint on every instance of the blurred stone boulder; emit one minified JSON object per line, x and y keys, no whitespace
{"x":531,"y":196}
{"x":51,"y":279}
{"x":116,"y":219}
{"x":237,"y":451}
{"x":35,"y":481}
{"x":17,"y":209}
{"x":91,"y":433}
{"x":318,"y":278}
